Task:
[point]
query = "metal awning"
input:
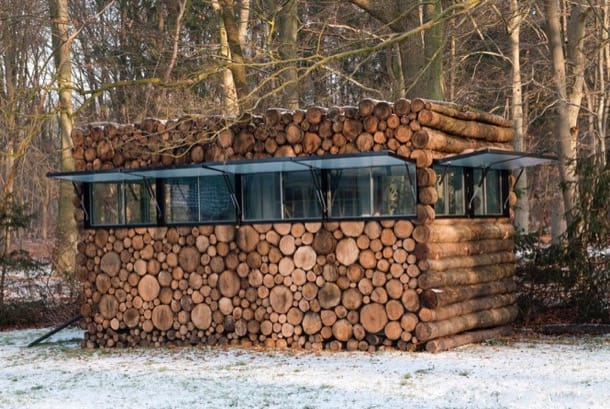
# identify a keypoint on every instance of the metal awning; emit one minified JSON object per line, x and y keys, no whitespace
{"x":354,"y":160}
{"x":174,"y":172}
{"x":251,"y":166}
{"x":242,"y":167}
{"x":496,"y":159}
{"x":98,"y":176}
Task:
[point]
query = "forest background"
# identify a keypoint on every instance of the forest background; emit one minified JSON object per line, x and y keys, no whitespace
{"x":543,"y":64}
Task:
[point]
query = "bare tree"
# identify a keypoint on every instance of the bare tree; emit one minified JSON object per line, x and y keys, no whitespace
{"x":66,"y":226}
{"x":514,"y":29}
{"x":568,"y":62}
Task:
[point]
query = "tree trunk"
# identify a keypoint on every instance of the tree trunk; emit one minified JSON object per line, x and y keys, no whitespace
{"x":568,"y":76}
{"x":422,"y":76}
{"x":66,"y":225}
{"x":288,"y":27}
{"x":229,"y":91}
{"x":514,"y":28}
{"x":237,"y":61}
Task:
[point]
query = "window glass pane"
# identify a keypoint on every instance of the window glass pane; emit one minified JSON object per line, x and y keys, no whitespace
{"x":104,"y":204}
{"x":478,"y":202}
{"x":215,"y":199}
{"x":493,"y":192}
{"x":139,"y":207}
{"x":350,"y":192}
{"x":181,"y":200}
{"x":300,"y":200}
{"x":450,"y":191}
{"x":261,"y":196}
{"x":487,"y":200}
{"x":392,"y":192}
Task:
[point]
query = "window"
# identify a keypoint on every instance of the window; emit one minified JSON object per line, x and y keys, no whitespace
{"x":279,"y":196}
{"x":487,"y":196}
{"x":300,"y":199}
{"x":181,"y":200}
{"x":375,"y":191}
{"x":215,"y":199}
{"x":350,"y":192}
{"x":122,"y":203}
{"x":393,"y":192}
{"x":464,"y":191}
{"x":261,"y":196}
{"x":198,"y":199}
{"x":105,"y":204}
{"x":348,"y":186}
{"x":451,"y":192}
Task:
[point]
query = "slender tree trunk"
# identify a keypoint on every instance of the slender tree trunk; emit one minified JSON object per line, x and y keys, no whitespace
{"x":603,"y":108}
{"x":66,"y":225}
{"x":237,"y":63}
{"x":568,"y":75}
{"x":231,"y":106}
{"x":288,"y":28}
{"x":433,"y":77}
{"x":514,"y":28}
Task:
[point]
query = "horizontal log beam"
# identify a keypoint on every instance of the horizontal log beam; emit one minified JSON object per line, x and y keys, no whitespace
{"x":471,"y":337}
{"x":462,"y":112}
{"x":442,"y":233}
{"x":438,"y":297}
{"x":470,"y":129}
{"x":445,"y":264}
{"x":425,"y":331}
{"x":433,"y":139}
{"x":465,"y":276}
{"x":466,"y":307}
{"x":435,"y":251}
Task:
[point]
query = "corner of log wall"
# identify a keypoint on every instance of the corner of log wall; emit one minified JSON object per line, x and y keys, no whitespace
{"x":358,"y":285}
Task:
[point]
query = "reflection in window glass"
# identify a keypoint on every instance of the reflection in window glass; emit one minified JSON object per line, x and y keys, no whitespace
{"x":181,"y":200}
{"x":104,"y":204}
{"x":300,"y":200}
{"x":487,"y":200}
{"x":377,"y":191}
{"x":139,"y":208}
{"x":215,"y":199}
{"x":350,"y":192}
{"x":450,"y":191}
{"x":121,"y":203}
{"x":392,"y":194}
{"x":262,"y":196}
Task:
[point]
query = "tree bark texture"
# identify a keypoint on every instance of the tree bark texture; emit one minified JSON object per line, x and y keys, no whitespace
{"x":66,"y":226}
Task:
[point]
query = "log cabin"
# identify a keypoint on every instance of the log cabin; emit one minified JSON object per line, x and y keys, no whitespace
{"x":346,"y":228}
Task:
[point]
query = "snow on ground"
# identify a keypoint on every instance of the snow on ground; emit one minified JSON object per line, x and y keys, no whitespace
{"x":533,"y":373}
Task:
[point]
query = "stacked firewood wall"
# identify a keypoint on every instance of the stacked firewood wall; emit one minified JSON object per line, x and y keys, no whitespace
{"x":341,"y":285}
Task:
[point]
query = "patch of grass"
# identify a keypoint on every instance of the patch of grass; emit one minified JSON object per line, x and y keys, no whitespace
{"x":406,"y":379}
{"x":424,"y":371}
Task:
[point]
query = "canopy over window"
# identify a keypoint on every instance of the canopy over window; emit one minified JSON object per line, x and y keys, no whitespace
{"x":242,"y":167}
{"x":496,"y":159}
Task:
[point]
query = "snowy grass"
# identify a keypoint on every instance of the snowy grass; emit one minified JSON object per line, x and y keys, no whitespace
{"x":535,"y":373}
